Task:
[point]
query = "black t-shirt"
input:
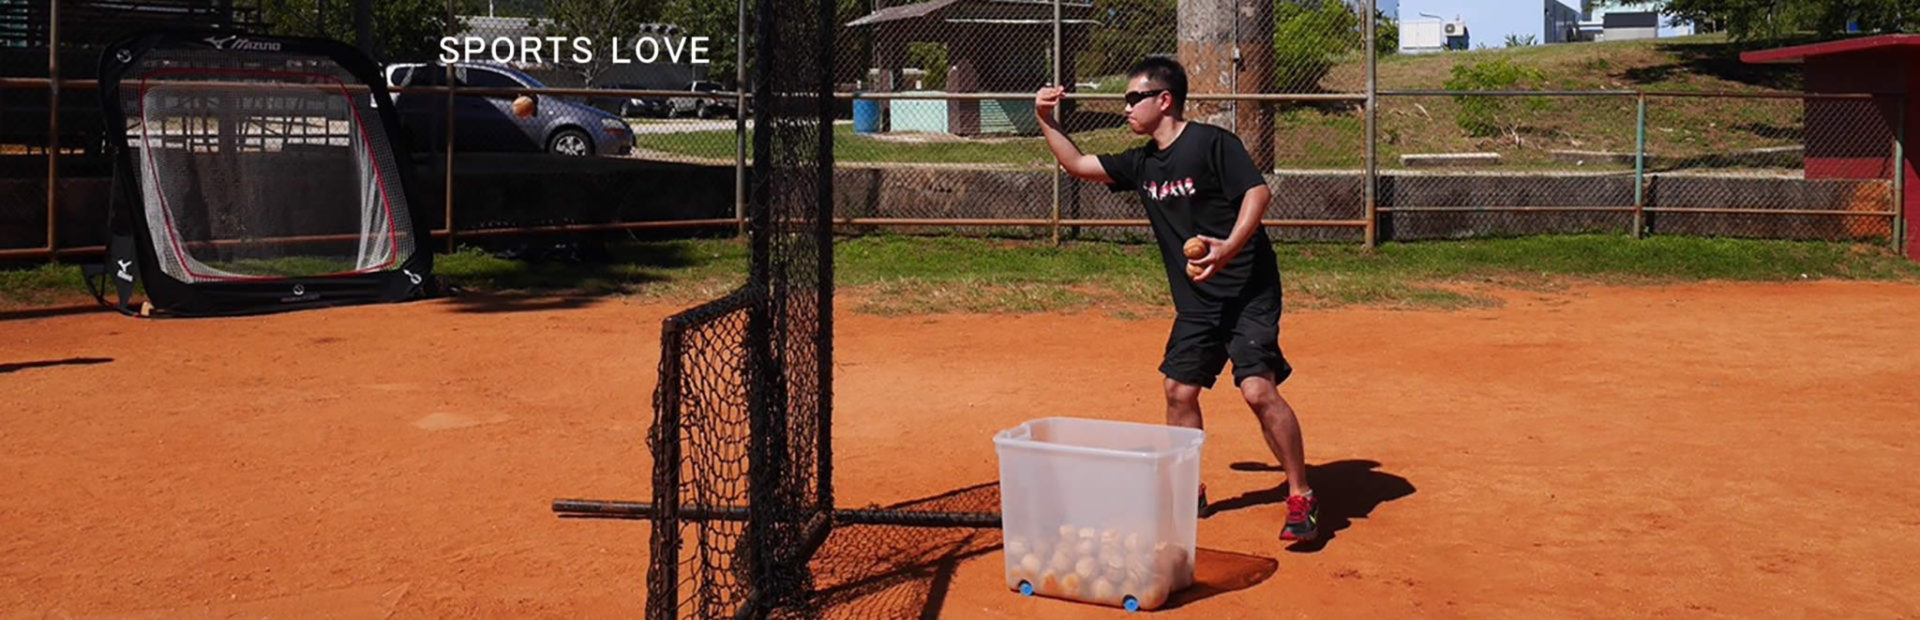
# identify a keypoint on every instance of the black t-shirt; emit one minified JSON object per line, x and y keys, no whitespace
{"x":1194,"y":187}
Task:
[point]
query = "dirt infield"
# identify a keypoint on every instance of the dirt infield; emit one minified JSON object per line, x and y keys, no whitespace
{"x":1717,"y":450}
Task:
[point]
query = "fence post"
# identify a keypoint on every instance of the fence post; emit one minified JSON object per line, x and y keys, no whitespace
{"x":1640,"y":167}
{"x":740,"y":117}
{"x":1372,"y":180}
{"x":452,"y":22}
{"x":53,"y":130}
{"x":1899,"y":174}
{"x":1057,"y":118}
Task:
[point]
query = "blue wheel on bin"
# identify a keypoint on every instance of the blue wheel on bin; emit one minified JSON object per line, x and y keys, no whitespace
{"x":1026,"y":588}
{"x":1133,"y":604}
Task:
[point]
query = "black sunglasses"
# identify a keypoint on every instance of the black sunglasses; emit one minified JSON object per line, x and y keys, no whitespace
{"x":1135,"y":97}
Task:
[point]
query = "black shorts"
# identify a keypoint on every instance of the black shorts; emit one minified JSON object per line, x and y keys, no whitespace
{"x":1246,"y":330}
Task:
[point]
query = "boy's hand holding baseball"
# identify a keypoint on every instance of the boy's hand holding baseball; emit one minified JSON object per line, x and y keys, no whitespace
{"x":1046,"y":100}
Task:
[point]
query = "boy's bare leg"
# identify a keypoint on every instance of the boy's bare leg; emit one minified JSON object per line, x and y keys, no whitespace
{"x":1280,"y":427}
{"x":1183,"y":409}
{"x":1183,"y":404}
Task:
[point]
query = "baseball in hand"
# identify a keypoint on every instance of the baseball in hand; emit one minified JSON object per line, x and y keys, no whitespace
{"x":1195,"y":248}
{"x":1193,"y":271}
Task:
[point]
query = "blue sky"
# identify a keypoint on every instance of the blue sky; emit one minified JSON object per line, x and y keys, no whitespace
{"x":1489,"y":21}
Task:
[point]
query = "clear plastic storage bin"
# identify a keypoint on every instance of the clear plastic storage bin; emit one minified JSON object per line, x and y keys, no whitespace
{"x":1097,"y":511}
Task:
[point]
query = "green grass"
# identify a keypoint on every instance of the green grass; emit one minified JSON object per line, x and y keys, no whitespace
{"x":292,"y":266}
{"x":900,"y":275}
{"x":674,"y":269}
{"x":40,"y":285}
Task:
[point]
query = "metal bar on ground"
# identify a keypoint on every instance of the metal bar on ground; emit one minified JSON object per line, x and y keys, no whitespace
{"x":642,"y":511}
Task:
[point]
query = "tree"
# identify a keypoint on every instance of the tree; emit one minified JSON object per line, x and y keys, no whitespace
{"x":503,"y":8}
{"x":718,"y":20}
{"x":1309,"y":36}
{"x":1769,"y":20}
{"x":1386,"y":35}
{"x":931,"y":57}
{"x":403,"y":30}
{"x":600,"y":22}
{"x":1129,"y":30}
{"x":1514,"y":40}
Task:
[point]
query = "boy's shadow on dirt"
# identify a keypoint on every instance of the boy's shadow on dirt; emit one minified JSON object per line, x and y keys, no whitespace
{"x":1347,"y":490}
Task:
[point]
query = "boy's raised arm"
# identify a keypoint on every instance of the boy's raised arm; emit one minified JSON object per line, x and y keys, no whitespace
{"x":1080,"y":165}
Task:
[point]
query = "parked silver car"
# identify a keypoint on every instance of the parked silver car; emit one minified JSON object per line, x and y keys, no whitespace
{"x":487,"y":123}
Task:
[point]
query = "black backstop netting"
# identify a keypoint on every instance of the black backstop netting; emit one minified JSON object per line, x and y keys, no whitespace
{"x":744,"y":520}
{"x":742,"y":410}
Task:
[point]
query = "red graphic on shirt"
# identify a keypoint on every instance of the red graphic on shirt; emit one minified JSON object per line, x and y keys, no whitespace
{"x":1163,"y":191}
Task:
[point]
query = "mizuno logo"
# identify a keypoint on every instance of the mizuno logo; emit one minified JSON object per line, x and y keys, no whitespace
{"x":235,"y":42}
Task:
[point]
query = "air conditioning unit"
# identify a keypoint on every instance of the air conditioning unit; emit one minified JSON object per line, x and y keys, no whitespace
{"x":1455,"y":29}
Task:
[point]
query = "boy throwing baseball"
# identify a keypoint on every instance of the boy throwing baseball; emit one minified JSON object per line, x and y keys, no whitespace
{"x":1197,"y":181}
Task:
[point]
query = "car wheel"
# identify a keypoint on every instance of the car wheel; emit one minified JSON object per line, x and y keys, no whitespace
{"x":572,"y":142}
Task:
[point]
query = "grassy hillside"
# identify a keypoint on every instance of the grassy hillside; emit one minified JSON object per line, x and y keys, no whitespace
{"x":1692,"y":63}
{"x":1682,"y":132}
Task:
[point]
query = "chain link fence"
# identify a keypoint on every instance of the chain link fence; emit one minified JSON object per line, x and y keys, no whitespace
{"x":640,"y":104}
{"x":1808,"y":168}
{"x":1473,"y":165}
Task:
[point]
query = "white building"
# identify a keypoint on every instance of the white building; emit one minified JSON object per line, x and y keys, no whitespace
{"x":1559,"y":24}
{"x":1427,"y":34}
{"x":1620,"y":22}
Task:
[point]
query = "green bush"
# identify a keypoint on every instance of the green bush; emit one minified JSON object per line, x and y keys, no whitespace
{"x":1486,"y":116}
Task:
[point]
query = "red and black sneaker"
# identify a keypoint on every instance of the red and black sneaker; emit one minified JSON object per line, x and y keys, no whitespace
{"x":1303,"y":518}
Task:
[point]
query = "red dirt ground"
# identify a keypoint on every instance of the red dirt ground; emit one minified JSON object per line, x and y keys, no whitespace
{"x":1703,"y":450}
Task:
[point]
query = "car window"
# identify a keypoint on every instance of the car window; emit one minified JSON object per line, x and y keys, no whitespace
{"x":426,"y":76}
{"x":483,"y":78}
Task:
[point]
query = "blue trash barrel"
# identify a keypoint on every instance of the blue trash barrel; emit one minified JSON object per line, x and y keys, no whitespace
{"x":866,"y":115}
